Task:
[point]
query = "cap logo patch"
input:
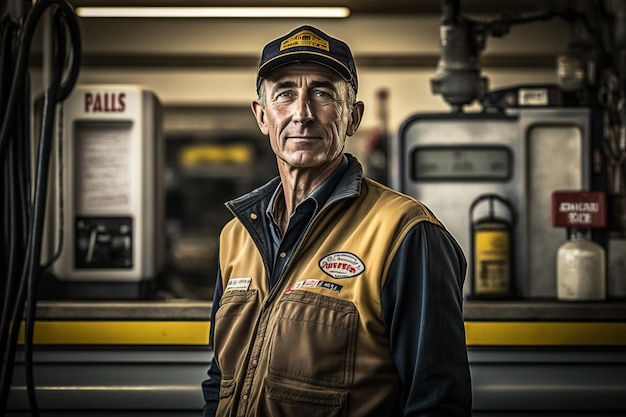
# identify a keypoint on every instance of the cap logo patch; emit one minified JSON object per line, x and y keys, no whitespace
{"x":305,"y":38}
{"x":342,"y":265}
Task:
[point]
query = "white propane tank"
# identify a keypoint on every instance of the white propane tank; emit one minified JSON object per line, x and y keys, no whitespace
{"x":581,"y":270}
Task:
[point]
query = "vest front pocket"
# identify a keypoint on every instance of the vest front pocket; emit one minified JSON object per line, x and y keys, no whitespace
{"x":233,"y":323}
{"x":314,"y":340}
{"x":226,"y":403}
{"x":281,"y":400}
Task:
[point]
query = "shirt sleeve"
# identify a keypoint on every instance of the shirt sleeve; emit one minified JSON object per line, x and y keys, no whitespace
{"x":422,"y":301}
{"x":211,"y":386}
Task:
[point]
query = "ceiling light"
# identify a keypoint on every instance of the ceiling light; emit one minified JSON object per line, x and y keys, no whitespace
{"x":215,"y":12}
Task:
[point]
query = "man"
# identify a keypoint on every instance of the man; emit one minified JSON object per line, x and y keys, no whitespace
{"x":336,"y":296}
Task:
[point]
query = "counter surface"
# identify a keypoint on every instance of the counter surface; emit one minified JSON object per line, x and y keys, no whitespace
{"x":201,"y":310}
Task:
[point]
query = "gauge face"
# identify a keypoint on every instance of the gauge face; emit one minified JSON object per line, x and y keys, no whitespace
{"x":461,"y":163}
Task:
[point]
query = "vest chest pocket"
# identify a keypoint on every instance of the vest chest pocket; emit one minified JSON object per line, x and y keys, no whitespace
{"x":314,"y":340}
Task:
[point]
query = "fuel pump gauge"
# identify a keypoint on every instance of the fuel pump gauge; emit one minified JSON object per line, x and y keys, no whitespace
{"x":461,"y":163}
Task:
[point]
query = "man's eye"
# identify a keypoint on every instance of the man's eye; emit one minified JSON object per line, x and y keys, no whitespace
{"x":321,"y":94}
{"x":284,"y":94}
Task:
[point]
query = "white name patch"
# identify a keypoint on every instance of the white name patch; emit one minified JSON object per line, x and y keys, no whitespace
{"x":315,"y":283}
{"x":241,"y":284}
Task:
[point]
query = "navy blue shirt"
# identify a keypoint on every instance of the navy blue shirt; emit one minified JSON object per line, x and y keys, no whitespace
{"x":302,"y":216}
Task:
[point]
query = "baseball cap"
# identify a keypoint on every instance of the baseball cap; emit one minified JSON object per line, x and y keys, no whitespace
{"x":308,"y":44}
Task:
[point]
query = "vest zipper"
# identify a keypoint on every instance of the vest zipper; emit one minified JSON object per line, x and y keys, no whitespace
{"x":272,"y":295}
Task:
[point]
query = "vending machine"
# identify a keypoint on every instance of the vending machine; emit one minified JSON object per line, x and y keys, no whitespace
{"x":109,"y":210}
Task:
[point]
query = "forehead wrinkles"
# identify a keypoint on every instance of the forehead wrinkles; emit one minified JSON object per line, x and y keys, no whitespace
{"x":300,"y":74}
{"x":286,"y":84}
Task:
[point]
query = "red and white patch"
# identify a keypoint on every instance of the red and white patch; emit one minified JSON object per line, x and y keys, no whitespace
{"x":314,"y":283}
{"x":342,"y":265}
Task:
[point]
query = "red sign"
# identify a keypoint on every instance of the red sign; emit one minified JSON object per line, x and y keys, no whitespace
{"x":105,"y":102}
{"x":579,"y":209}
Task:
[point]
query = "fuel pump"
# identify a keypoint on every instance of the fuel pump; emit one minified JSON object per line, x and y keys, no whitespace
{"x":113,"y":219}
{"x":492,"y":268}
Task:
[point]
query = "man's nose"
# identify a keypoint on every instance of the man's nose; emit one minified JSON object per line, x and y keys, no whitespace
{"x":303,"y":113}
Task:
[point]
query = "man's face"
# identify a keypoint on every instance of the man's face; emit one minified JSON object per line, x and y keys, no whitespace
{"x":306,"y":114}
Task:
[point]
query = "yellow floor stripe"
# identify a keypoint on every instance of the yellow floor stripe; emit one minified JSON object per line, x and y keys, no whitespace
{"x":120,"y":333}
{"x":545,"y":333}
{"x":478,"y":333}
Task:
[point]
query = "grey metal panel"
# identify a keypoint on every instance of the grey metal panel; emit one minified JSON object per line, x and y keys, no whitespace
{"x":135,"y":378}
{"x":553,"y":413}
{"x":548,"y":379}
{"x":516,"y":310}
{"x":558,"y":157}
{"x":136,"y":381}
{"x":110,"y":413}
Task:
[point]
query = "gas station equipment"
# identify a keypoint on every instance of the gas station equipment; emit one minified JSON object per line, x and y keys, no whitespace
{"x":492,"y":272}
{"x":113,"y":215}
{"x":581,"y":262}
{"x":528,"y":140}
{"x":447,"y":160}
{"x":23,"y":207}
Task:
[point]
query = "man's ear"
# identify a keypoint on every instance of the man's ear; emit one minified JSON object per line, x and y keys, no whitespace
{"x":356,"y":115}
{"x":259,"y":114}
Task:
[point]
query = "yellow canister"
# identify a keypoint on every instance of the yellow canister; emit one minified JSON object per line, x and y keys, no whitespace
{"x":492,"y":252}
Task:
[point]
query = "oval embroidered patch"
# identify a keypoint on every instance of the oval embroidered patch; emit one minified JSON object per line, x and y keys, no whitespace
{"x":342,"y":265}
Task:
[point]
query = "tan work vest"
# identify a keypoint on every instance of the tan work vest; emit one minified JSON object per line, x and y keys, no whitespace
{"x":317,"y":344}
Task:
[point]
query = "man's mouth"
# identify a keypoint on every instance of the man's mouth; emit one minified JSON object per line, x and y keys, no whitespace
{"x":304,"y":137}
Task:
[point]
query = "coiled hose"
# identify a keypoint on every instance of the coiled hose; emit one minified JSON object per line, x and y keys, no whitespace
{"x":22,"y":218}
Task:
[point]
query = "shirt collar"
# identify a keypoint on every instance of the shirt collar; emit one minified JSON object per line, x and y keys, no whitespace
{"x":318,"y":197}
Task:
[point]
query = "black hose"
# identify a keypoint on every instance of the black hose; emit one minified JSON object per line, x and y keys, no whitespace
{"x":22,"y":286}
{"x":25,"y":42}
{"x":450,"y":11}
{"x":41,"y":188}
{"x":9,"y":213}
